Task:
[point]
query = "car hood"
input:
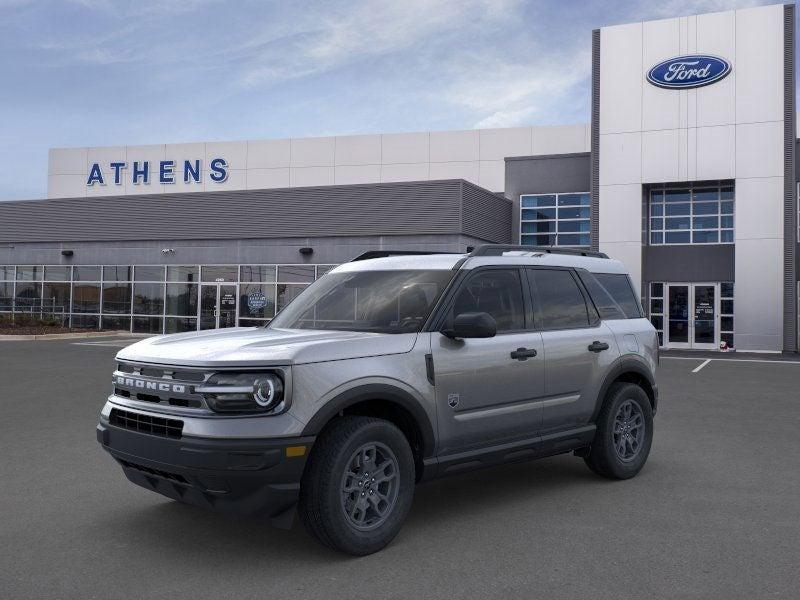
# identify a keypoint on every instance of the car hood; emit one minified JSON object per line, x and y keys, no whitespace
{"x":256,"y":346}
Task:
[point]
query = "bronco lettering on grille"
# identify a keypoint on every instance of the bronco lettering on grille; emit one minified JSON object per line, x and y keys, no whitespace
{"x":142,"y":384}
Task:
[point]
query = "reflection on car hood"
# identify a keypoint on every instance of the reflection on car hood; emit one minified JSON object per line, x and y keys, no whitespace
{"x":258,"y":346}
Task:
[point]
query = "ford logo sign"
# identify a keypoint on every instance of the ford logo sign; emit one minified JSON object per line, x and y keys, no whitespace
{"x":684,"y":72}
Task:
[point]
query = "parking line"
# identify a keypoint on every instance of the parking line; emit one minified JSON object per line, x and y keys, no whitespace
{"x":752,"y":360}
{"x":701,"y":365}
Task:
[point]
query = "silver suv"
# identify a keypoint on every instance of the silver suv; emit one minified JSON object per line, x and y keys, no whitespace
{"x":388,"y":371}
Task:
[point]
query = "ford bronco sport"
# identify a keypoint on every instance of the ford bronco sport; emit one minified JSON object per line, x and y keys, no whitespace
{"x":386,"y":372}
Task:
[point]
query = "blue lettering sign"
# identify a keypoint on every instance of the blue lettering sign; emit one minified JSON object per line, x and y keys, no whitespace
{"x":684,"y":72}
{"x":117,"y":166}
{"x":191,"y":173}
{"x":143,"y":173}
{"x":219,"y":170}
{"x":165,"y":174}
{"x":95,"y":175}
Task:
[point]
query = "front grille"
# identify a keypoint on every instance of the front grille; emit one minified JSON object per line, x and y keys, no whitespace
{"x":157,"y":472}
{"x":169,"y":428}
{"x":167,"y":386}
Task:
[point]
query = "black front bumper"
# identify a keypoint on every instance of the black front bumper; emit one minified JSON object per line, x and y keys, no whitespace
{"x":250,"y":477}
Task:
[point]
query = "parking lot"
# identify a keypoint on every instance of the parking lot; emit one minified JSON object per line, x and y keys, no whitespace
{"x":714,"y":514}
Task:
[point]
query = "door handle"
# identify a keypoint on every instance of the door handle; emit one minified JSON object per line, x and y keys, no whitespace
{"x":596,"y":346}
{"x":523,"y":353}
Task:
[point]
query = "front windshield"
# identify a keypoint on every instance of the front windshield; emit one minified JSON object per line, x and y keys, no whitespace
{"x":374,"y":301}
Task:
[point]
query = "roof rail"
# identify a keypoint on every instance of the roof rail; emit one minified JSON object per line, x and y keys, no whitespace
{"x":384,"y":253}
{"x":499,"y":249}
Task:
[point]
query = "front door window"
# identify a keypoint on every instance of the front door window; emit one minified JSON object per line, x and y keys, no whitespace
{"x":692,"y":315}
{"x":704,"y":312}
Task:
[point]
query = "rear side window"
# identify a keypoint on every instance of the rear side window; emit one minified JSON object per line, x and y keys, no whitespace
{"x":619,"y":288}
{"x":606,"y":305}
{"x":559,"y":301}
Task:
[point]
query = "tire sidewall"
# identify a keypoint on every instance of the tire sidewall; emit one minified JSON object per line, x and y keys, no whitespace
{"x":619,"y":468}
{"x":349,"y":538}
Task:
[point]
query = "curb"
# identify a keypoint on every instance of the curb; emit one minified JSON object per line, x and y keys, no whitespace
{"x":66,"y":336}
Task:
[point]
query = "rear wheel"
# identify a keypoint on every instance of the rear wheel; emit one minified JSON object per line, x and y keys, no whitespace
{"x":357,"y":488}
{"x":624,"y":433}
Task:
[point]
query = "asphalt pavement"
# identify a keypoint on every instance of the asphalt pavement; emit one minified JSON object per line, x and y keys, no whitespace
{"x":714,"y":514}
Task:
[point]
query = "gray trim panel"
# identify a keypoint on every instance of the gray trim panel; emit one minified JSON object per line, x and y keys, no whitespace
{"x":790,"y":189}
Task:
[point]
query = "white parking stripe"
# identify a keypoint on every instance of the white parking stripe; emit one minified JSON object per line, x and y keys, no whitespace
{"x":701,"y":365}
{"x":752,"y":360}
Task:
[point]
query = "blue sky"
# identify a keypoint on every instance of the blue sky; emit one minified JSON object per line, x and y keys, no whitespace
{"x":99,"y":73}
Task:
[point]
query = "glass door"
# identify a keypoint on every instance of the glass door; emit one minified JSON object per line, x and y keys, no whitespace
{"x":226,"y":313}
{"x":692,"y":315}
{"x":209,"y":299}
{"x":677,"y":330}
{"x":704,"y":328}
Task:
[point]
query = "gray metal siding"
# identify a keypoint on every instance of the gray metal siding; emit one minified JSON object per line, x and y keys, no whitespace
{"x":696,"y":263}
{"x":595,"y":147}
{"x":408,"y":208}
{"x":554,"y":173}
{"x":789,"y":182}
{"x":486,"y":218}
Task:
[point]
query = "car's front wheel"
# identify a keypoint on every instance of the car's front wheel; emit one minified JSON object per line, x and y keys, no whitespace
{"x":358,"y":485}
{"x":624,"y":433}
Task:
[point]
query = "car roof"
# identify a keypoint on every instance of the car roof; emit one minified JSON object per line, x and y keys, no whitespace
{"x":465,"y":261}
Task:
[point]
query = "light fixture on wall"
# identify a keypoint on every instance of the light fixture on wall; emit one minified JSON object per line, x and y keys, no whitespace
{"x":306,"y":251}
{"x":67,"y":253}
{"x":168,"y":251}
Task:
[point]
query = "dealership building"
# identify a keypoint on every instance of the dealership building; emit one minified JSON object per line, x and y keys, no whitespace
{"x":686,"y":173}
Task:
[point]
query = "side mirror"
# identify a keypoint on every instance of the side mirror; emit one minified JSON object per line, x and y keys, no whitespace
{"x":472,"y":325}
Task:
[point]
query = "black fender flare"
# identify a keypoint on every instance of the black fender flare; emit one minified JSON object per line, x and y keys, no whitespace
{"x":624,"y":365}
{"x":375,"y":391}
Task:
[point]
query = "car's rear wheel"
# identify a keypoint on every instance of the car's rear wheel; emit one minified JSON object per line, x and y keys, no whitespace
{"x":624,"y":433}
{"x":358,"y":485}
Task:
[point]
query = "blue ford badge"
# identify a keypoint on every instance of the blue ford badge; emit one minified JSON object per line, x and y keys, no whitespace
{"x":683,"y":72}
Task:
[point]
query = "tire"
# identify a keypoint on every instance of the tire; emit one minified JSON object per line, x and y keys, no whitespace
{"x":622,"y":457}
{"x":339,"y":504}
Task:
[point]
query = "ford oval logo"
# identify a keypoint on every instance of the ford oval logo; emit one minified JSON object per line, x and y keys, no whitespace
{"x":684,"y":72}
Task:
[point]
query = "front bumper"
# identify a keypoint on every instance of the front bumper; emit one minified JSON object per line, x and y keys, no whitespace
{"x":251,"y":476}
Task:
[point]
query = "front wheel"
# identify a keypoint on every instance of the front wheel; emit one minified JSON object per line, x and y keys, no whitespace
{"x":624,"y":433}
{"x":357,"y":488}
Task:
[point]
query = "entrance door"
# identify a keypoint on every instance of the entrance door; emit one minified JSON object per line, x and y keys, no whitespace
{"x":692,"y":315}
{"x":217,"y":306}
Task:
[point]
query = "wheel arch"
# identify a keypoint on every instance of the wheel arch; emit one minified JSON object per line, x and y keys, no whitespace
{"x":387,"y":402}
{"x":631,"y":371}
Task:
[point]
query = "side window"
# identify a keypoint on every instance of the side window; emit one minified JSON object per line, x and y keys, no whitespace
{"x":560,"y":303}
{"x":606,"y":305}
{"x":619,"y":287}
{"x":497,"y":292}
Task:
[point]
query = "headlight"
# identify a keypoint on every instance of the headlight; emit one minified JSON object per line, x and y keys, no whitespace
{"x":243,"y":392}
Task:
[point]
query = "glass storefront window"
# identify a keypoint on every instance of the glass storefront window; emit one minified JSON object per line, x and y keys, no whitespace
{"x":82,"y":273}
{"x":219,"y":274}
{"x":6,"y":295}
{"x":86,"y":298}
{"x":55,"y":297}
{"x":57,"y":273}
{"x":257,"y":273}
{"x":190,"y":274}
{"x":287,"y":293}
{"x":181,"y":299}
{"x":256,"y":301}
{"x":657,"y":309}
{"x":148,"y":273}
{"x":147,"y":325}
{"x":86,"y":321}
{"x":322,"y":269}
{"x":296,"y":273}
{"x":6,"y":272}
{"x":29,"y":273}
{"x":179,"y":325}
{"x":116,"y":273}
{"x":148,"y":299}
{"x":691,"y":216}
{"x":115,"y":323}
{"x":555,"y":219}
{"x":117,"y":298}
{"x":27,"y":296}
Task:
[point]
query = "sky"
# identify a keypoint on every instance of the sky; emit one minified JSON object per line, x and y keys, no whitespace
{"x":102,"y":73}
